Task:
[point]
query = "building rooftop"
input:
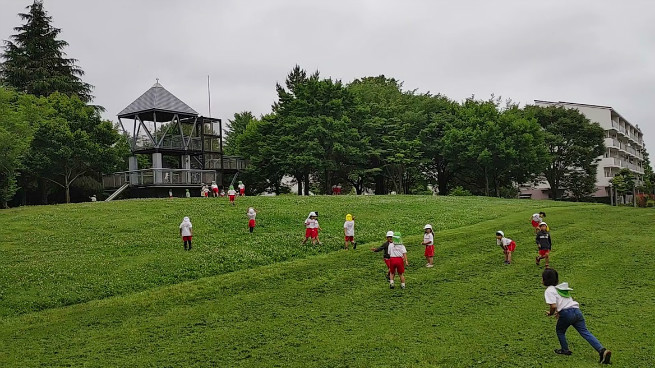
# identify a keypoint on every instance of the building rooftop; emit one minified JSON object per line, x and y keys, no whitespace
{"x":588,"y":105}
{"x":157,"y":98}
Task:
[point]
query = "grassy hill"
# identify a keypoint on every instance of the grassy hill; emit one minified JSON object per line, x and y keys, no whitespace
{"x":108,"y":284}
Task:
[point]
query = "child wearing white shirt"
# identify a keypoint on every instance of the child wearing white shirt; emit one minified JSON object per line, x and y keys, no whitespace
{"x":231,"y":193}
{"x":349,"y":231}
{"x":397,"y":261}
{"x":567,"y":311}
{"x":252,"y":214}
{"x":312,"y":228}
{"x":186,"y":232}
{"x":507,"y":244}
{"x":428,"y":241}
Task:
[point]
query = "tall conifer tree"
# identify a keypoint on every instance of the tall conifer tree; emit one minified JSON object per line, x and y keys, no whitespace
{"x":34,"y":60}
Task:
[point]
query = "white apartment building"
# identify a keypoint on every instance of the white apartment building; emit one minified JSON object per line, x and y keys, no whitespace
{"x":624,"y":144}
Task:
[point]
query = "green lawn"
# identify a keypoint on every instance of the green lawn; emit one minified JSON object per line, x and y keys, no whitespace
{"x":108,"y":284}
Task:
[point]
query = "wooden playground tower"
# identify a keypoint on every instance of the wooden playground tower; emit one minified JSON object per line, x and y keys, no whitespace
{"x":186,"y":149}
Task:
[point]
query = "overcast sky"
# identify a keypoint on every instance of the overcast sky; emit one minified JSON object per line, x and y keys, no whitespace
{"x":598,"y":52}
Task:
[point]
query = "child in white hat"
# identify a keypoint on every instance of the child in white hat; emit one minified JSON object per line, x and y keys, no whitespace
{"x":544,"y":243}
{"x":567,"y":311}
{"x":507,"y":244}
{"x":186,"y":232}
{"x":252,"y":214}
{"x":384,"y":248}
{"x":428,"y":241}
{"x":311,"y":228}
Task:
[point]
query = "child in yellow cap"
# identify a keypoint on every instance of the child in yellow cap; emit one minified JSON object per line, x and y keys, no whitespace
{"x":349,"y":231}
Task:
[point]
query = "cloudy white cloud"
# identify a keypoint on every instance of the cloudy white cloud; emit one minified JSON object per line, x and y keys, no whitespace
{"x":597,"y":52}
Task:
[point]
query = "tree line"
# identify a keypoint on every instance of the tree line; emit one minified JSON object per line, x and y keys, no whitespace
{"x":54,"y":145}
{"x":372,"y":134}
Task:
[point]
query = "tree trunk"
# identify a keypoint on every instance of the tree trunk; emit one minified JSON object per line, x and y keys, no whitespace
{"x":486,"y":183}
{"x":68,"y":194}
{"x":379,"y":184}
{"x":44,"y":191}
{"x":306,"y":184}
{"x":442,"y":182}
{"x":299,"y":179}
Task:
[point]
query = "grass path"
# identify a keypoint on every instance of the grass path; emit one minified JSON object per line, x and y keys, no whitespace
{"x":335,"y":309}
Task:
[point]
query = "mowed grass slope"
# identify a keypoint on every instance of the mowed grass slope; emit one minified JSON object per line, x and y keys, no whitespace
{"x":335,"y":308}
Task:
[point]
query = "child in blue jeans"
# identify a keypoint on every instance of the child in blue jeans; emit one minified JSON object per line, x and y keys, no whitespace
{"x":567,"y":311}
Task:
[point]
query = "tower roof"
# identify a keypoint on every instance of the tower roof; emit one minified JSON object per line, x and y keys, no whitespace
{"x":157,"y":98}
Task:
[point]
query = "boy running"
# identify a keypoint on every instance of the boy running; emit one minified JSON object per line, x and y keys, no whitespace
{"x":544,"y":243}
{"x":567,"y":312}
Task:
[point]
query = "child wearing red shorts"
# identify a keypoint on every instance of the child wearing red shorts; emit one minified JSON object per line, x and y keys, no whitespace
{"x":507,"y":244}
{"x":231,"y":193}
{"x":311,"y":228}
{"x":349,"y":231}
{"x":384,"y":248}
{"x":251,"y":219}
{"x":214,"y":187}
{"x":186,"y":232}
{"x":428,"y":241}
{"x":397,"y":262}
{"x":242,"y":189}
{"x":544,"y":243}
{"x":536,"y":219}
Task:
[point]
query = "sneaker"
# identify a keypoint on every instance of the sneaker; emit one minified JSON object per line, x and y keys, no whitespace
{"x":402,"y":286}
{"x":354,"y":245}
{"x":605,"y":356}
{"x":391,"y":286}
{"x":429,"y":266}
{"x":563,"y":352}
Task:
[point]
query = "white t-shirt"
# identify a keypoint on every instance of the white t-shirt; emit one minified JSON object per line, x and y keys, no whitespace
{"x":242,"y":186}
{"x":349,"y":227}
{"x":503,"y":241}
{"x":311,"y":224}
{"x":231,"y":192}
{"x":553,"y":297}
{"x":428,"y":238}
{"x":396,"y":250}
{"x":186,"y":228}
{"x":536,"y":217}
{"x":252,"y":215}
{"x":214,"y":186}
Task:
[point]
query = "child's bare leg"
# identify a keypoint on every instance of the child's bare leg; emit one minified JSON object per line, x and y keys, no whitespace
{"x":431,"y":260}
{"x":509,"y":257}
{"x":547,"y":257}
{"x":346,"y":244}
{"x":402,"y":278}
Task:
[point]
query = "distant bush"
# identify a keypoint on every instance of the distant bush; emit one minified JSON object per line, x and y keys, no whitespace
{"x":459,"y":192}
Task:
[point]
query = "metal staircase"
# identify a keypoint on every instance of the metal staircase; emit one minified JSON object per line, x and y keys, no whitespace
{"x":117,"y":192}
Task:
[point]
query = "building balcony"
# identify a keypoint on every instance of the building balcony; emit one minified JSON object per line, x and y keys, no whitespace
{"x":159,"y":177}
